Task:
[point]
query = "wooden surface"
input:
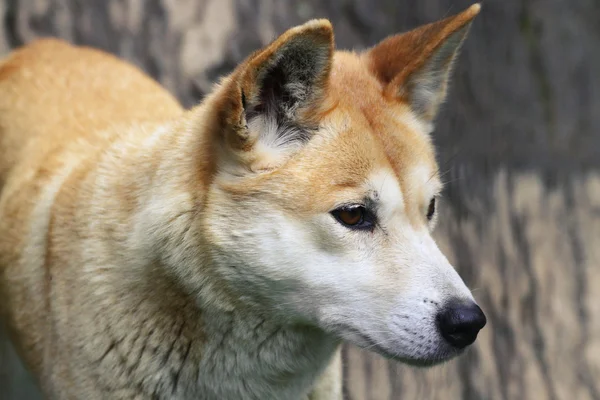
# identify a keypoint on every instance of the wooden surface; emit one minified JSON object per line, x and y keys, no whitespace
{"x":519,"y":136}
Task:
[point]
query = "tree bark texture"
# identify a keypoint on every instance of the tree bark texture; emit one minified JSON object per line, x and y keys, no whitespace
{"x":518,"y":141}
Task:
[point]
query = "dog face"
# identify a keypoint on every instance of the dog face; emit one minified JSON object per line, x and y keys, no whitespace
{"x":324,"y":199}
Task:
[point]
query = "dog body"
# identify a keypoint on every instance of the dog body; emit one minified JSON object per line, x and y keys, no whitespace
{"x":223,"y":252}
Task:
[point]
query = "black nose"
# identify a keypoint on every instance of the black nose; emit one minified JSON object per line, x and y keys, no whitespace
{"x":459,"y":322}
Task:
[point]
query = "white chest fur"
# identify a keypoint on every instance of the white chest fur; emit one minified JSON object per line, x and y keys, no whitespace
{"x":251,"y":358}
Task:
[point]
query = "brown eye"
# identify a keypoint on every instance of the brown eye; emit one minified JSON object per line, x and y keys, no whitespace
{"x":354,"y":217}
{"x":431,"y":209}
{"x":351,"y":216}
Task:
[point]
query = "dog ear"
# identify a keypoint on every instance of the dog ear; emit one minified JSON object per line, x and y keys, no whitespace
{"x":274,"y":98}
{"x":414,"y":67}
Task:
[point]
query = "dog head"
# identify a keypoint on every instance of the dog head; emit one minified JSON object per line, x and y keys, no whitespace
{"x":324,"y":190}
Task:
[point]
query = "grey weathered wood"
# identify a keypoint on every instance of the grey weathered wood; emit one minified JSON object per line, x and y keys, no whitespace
{"x":519,"y":135}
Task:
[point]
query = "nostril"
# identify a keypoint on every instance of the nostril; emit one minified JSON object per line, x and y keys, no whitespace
{"x":460,"y":322}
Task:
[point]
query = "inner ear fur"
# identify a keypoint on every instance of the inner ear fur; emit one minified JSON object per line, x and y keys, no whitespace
{"x":283,"y":85}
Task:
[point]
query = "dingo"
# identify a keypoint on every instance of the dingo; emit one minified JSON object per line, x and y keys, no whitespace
{"x":225,"y":251}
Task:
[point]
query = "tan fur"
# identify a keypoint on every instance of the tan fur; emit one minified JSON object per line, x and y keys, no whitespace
{"x":108,"y":187}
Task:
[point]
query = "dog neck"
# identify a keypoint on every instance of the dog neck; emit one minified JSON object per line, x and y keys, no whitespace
{"x":164,"y":321}
{"x":156,"y":338}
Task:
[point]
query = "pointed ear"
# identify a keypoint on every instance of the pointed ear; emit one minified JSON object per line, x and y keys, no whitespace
{"x":415,"y":66}
{"x":274,"y":97}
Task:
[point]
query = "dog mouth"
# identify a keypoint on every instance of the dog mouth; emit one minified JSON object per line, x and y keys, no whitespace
{"x":435,"y":356}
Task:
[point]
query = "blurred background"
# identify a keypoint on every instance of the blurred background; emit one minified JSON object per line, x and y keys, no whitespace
{"x":519,"y":139}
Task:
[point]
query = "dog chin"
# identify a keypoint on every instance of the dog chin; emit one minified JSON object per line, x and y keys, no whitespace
{"x":441,"y":354}
{"x":438,"y":358}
